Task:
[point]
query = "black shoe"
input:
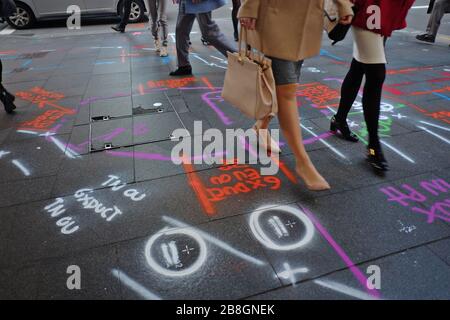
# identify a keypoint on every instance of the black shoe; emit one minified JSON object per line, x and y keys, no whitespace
{"x":118,"y":28}
{"x":182,"y":71}
{"x":426,"y":38}
{"x":8,"y":95}
{"x":343,"y":128}
{"x":236,"y":36}
{"x":377,"y":160}
{"x":7,"y":102}
{"x":205,"y":42}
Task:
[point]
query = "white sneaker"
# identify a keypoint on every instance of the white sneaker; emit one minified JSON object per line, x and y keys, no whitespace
{"x":157,"y":45}
{"x":163,"y":52}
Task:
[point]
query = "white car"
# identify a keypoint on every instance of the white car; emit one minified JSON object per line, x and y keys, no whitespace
{"x":30,"y":11}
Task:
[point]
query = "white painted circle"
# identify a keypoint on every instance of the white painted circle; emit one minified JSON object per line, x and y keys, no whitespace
{"x":262,"y":237}
{"x":193,"y":268}
{"x":157,"y":104}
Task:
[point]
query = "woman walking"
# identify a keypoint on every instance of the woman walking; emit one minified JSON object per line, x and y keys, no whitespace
{"x":289,"y":31}
{"x":159,"y":22}
{"x":369,"y":60}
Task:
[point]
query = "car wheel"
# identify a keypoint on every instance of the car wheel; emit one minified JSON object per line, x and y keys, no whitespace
{"x":137,"y":11}
{"x":23,"y":19}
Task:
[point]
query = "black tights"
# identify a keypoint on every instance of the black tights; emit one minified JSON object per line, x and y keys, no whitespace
{"x":236,"y":6}
{"x":375,"y":76}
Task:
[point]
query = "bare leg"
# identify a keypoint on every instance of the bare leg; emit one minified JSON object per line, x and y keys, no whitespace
{"x":290,"y":126}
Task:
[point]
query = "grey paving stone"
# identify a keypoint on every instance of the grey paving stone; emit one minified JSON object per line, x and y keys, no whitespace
{"x":294,"y":247}
{"x":19,"y":284}
{"x":33,"y":158}
{"x":97,"y":283}
{"x":155,"y":127}
{"x":89,"y":171}
{"x":113,"y":133}
{"x":229,"y":273}
{"x":151,"y":103}
{"x":415,"y":274}
{"x":368,"y":211}
{"x":441,"y":249}
{"x":22,"y":191}
{"x":116,"y":107}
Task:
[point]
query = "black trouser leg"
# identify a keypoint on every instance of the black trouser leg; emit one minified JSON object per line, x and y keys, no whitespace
{"x":234,"y":13}
{"x":126,"y":7}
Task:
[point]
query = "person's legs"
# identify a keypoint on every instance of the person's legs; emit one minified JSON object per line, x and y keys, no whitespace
{"x":434,"y":22}
{"x":349,"y":92}
{"x":375,"y":76}
{"x":126,"y":13}
{"x":212,"y":34}
{"x":182,"y":32}
{"x":290,"y":126}
{"x":163,"y":21}
{"x":125,"y":16}
{"x":234,"y":13}
{"x":436,"y":16}
{"x":153,"y":8}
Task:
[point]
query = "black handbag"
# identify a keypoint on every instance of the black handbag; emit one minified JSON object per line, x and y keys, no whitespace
{"x":338,"y":31}
{"x":7,"y":8}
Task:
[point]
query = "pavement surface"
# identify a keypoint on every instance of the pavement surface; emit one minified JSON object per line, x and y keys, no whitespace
{"x":86,"y":178}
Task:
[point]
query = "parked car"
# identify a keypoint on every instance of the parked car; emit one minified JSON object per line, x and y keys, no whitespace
{"x":30,"y":11}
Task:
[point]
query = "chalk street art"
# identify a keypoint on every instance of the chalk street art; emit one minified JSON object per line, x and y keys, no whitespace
{"x":44,"y":98}
{"x":56,"y":209}
{"x":320,"y":95}
{"x":282,"y":228}
{"x":233,"y":179}
{"x":182,"y":251}
{"x":17,"y":163}
{"x":89,"y":202}
{"x":407,"y":196}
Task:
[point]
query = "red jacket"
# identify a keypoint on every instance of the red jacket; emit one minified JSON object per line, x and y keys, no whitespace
{"x":393,"y":14}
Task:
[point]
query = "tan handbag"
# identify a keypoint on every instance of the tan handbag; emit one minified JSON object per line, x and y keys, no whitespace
{"x":249,"y":83}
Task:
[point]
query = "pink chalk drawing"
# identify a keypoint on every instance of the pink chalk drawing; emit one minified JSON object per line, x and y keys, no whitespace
{"x":408,"y":196}
{"x":209,"y":98}
{"x":350,"y":264}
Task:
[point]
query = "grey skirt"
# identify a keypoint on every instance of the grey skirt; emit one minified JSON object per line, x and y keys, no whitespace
{"x":286,"y":72}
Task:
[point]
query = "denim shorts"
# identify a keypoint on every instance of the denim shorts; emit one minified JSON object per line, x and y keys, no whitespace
{"x":286,"y":72}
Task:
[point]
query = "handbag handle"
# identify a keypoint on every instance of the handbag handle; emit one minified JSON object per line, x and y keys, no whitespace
{"x":241,"y":39}
{"x":242,"y":33}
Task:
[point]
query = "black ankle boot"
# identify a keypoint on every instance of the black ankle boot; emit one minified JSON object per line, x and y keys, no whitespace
{"x":376,"y":159}
{"x":7,"y":102}
{"x":343,"y":128}
{"x":236,"y":36}
{"x":118,"y":28}
{"x":182,"y":71}
{"x":8,"y":95}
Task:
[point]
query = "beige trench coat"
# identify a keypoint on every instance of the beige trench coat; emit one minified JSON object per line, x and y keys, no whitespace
{"x":288,"y":29}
